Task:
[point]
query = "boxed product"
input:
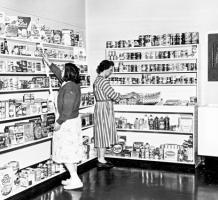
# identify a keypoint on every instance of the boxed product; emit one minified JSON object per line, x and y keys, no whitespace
{"x":23,"y":26}
{"x":171,"y":152}
{"x":11,"y":26}
{"x":186,"y":123}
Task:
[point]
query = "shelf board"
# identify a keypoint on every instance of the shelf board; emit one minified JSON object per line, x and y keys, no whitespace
{"x":154,"y":131}
{"x":153,"y":47}
{"x":87,"y":106}
{"x":22,"y":189}
{"x":158,"y":60}
{"x":29,"y":74}
{"x":174,"y":85}
{"x":155,"y":72}
{"x":45,"y":44}
{"x":87,"y":127}
{"x":155,"y":109}
{"x":153,"y":160}
{"x":25,"y":144}
{"x":27,"y":90}
{"x":24,"y":117}
{"x":24,"y":57}
{"x":83,"y":162}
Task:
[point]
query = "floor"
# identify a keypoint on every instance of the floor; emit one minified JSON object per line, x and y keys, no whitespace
{"x":122,"y":183}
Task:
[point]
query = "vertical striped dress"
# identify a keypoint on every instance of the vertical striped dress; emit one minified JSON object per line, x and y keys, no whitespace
{"x":105,"y":133}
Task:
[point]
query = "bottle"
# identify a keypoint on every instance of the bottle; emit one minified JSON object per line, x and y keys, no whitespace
{"x":141,"y":123}
{"x":156,"y":123}
{"x":151,"y":122}
{"x":167,"y":123}
{"x":161,"y":124}
{"x":136,"y":123}
{"x":146,"y":126}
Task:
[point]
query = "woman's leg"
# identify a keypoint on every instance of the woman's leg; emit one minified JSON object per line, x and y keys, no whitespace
{"x":74,"y":181}
{"x":101,"y":155}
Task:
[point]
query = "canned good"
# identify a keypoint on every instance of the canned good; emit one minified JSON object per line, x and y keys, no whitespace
{"x":188,"y":38}
{"x":195,"y":37}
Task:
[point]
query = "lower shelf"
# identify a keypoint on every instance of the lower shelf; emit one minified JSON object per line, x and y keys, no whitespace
{"x":153,"y":160}
{"x":22,"y":189}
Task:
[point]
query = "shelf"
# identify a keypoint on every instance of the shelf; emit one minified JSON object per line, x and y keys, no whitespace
{"x":154,"y":109}
{"x":22,"y":189}
{"x":87,"y":127}
{"x":25,"y":144}
{"x":83,"y":162}
{"x":154,"y":47}
{"x":24,"y":117}
{"x":24,"y":57}
{"x":152,"y":160}
{"x":29,"y":73}
{"x":45,"y":44}
{"x":158,"y":60}
{"x":154,"y":131}
{"x":156,"y":72}
{"x":156,"y":85}
{"x":27,"y":90}
{"x":87,"y":106}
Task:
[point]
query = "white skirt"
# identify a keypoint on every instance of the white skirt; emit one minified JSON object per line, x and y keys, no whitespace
{"x":67,"y":142}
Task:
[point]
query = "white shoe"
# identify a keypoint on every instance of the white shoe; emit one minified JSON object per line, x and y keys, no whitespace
{"x":66,"y":182}
{"x":73,"y":185}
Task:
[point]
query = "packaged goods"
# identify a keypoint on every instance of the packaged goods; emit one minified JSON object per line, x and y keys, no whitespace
{"x":15,"y":168}
{"x":24,"y":26}
{"x":57,"y":35}
{"x":11,"y":26}
{"x":66,"y":37}
{"x":3,"y":140}
{"x":6,"y":180}
{"x":35,"y":31}
{"x":117,"y":148}
{"x":46,"y":34}
{"x":171,"y":152}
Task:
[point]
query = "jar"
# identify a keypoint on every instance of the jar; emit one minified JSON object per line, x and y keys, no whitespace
{"x":66,"y":37}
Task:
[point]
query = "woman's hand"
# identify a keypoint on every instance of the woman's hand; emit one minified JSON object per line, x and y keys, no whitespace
{"x":57,"y":126}
{"x":45,"y":59}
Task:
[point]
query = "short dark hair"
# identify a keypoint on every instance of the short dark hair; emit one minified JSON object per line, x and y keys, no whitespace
{"x":104,"y":65}
{"x":71,"y":73}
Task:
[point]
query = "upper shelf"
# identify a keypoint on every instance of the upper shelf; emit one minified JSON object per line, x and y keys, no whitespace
{"x":158,"y":60}
{"x":154,"y":47}
{"x":154,"y":108}
{"x":45,"y":44}
{"x":8,"y":56}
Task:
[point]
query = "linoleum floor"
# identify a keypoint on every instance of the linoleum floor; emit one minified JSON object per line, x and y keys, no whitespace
{"x":122,"y":183}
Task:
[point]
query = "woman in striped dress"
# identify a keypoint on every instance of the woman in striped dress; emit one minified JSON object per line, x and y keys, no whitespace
{"x":104,"y":130}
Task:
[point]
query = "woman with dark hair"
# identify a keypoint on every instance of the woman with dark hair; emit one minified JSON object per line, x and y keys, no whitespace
{"x":104,"y":122}
{"x":67,"y":138}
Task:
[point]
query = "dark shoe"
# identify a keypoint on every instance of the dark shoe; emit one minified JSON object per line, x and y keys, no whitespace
{"x":106,"y":165}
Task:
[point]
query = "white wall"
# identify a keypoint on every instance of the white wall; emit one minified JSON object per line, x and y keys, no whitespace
{"x":59,"y":14}
{"x":126,"y":19}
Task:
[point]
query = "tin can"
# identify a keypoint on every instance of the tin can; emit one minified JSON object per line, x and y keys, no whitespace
{"x":195,"y":37}
{"x":177,"y":39}
{"x":188,"y":38}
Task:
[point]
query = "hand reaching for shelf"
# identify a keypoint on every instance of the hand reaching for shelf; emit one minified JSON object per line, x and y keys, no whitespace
{"x":45,"y":59}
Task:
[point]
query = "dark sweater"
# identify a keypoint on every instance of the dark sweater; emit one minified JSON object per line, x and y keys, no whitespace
{"x":68,"y":97}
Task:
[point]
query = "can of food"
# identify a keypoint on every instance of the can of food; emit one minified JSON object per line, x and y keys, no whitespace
{"x":188,"y":38}
{"x":195,"y":37}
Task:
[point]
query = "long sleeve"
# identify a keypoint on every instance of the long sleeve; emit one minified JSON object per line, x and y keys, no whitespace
{"x":57,"y":72}
{"x":109,"y":91}
{"x":68,"y":102}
